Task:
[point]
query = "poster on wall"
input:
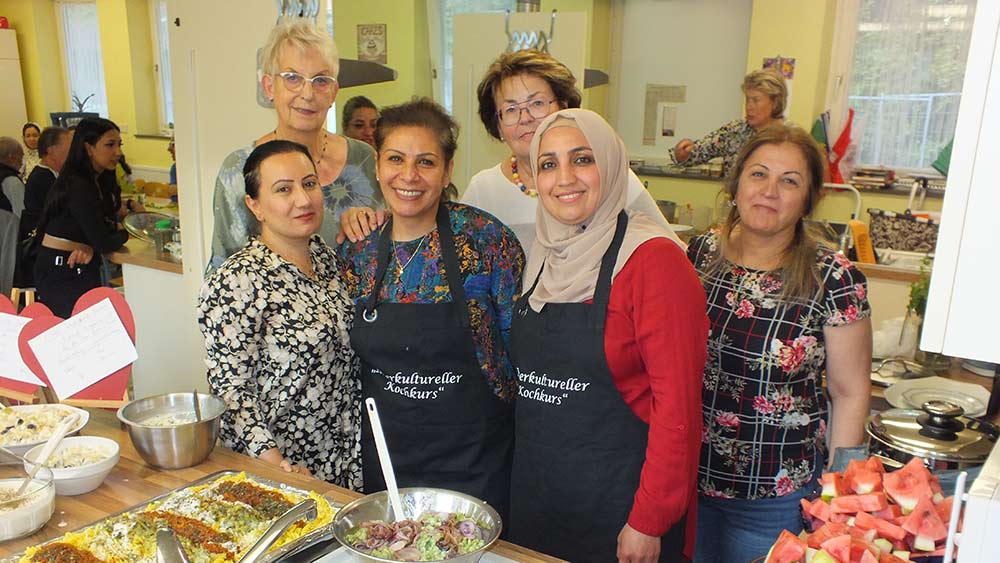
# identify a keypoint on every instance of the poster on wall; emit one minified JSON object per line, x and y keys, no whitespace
{"x":372,"y":43}
{"x":668,"y":120}
{"x":657,"y":94}
{"x":786,"y":66}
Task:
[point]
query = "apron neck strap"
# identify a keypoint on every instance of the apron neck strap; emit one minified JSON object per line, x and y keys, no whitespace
{"x":448,"y":255}
{"x":602,"y":293}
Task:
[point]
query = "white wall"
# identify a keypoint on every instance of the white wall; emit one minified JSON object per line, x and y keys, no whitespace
{"x":698,"y":43}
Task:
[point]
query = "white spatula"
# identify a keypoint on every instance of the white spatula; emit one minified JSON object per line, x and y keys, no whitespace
{"x":383,"y":458}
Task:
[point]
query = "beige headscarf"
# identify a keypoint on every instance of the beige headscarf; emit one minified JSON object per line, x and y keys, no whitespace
{"x":572,"y":254}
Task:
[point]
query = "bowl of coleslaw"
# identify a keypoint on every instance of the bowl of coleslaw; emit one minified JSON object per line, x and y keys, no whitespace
{"x":23,"y":427}
{"x":79,"y":464}
{"x":440,"y":525}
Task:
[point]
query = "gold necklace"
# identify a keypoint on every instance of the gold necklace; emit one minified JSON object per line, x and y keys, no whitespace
{"x":395,"y":254}
{"x":322,"y":152}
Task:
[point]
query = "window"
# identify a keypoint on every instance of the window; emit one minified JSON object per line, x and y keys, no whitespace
{"x":448,"y":8}
{"x":81,"y":43}
{"x":906,"y":78}
{"x":161,"y":66}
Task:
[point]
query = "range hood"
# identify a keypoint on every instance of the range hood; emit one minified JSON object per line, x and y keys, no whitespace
{"x":359,"y":73}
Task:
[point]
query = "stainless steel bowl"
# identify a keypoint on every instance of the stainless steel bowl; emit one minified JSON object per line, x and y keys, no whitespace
{"x":416,"y":501}
{"x":173,"y":447}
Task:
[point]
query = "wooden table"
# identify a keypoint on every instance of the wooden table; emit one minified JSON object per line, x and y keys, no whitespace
{"x":132,"y":482}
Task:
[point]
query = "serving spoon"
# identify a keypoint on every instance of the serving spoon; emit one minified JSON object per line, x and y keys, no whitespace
{"x":383,"y":457}
{"x":49,"y":447}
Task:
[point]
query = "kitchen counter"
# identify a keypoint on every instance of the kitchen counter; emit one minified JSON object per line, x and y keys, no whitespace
{"x":133,"y":482}
{"x":141,"y":253}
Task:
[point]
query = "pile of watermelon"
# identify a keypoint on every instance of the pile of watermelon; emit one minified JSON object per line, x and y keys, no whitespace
{"x":868,"y":515}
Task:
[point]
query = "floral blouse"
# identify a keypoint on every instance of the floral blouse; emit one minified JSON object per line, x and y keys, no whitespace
{"x":279,"y":355}
{"x":233,"y":224}
{"x":763,"y":404}
{"x":725,"y":142}
{"x":491,"y":261}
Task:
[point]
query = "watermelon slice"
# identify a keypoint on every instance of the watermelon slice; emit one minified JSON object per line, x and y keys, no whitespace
{"x":874,"y":463}
{"x":907,"y":486}
{"x":833,"y":486}
{"x":865,"y":481}
{"x":857,"y":503}
{"x":885,"y":529}
{"x":889,"y":513}
{"x":867,"y":557}
{"x":822,"y":557}
{"x":839,"y":548}
{"x":859,"y":547}
{"x":926,"y":525}
{"x":788,"y":549}
{"x":943,"y":508}
{"x":820,"y":510}
{"x":826,"y":532}
{"x":887,"y":557}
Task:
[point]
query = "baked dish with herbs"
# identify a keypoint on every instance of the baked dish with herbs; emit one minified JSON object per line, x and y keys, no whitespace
{"x":215,"y":522}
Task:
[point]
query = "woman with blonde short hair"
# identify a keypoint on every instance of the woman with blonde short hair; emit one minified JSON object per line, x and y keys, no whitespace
{"x":299,"y":76}
{"x":766,"y":96}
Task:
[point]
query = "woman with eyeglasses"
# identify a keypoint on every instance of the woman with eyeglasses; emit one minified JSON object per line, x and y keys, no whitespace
{"x":300,"y":66}
{"x":517,"y":92}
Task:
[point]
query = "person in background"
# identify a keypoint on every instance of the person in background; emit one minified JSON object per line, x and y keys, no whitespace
{"x":782,"y":310}
{"x":434,"y":290}
{"x":300,"y":68}
{"x":79,"y":217}
{"x":29,"y":135}
{"x":766,"y":96}
{"x":11,"y":186}
{"x":276,"y":318}
{"x":518,"y":90}
{"x":53,"y":148}
{"x":359,"y":118}
{"x":173,"y":165}
{"x":608,"y":342}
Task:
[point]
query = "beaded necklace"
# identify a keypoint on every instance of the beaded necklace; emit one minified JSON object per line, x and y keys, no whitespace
{"x":517,"y":179}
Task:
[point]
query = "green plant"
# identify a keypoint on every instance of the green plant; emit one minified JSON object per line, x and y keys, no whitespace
{"x":920,"y":288}
{"x":81,"y":104}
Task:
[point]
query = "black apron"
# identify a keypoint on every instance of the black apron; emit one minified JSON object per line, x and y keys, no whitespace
{"x":444,"y":425}
{"x":579,"y":447}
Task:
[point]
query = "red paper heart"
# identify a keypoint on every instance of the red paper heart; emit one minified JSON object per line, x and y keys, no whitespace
{"x":112,"y":387}
{"x":6,"y":306}
{"x":34,"y":311}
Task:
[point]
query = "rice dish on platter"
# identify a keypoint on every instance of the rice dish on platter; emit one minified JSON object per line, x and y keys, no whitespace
{"x":215,"y":522}
{"x":434,"y":536}
{"x":23,"y":426}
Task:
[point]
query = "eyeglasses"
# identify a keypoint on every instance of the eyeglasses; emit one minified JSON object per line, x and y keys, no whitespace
{"x":510,"y":115}
{"x":294,"y":82}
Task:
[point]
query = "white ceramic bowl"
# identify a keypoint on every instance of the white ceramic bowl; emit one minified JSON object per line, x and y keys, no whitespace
{"x":22,"y":446}
{"x":85,"y":478}
{"x":32,"y":510}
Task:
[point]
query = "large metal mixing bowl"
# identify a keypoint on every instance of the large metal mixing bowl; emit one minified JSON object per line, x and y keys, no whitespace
{"x":416,"y":501}
{"x":178,"y":446}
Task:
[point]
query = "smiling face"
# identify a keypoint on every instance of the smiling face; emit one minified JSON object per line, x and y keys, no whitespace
{"x":304,"y":109}
{"x":31,"y":137}
{"x":569,"y":182}
{"x":362,"y":125}
{"x":412,"y":173}
{"x":759,"y":107}
{"x":289,"y":203}
{"x":773,"y":190}
{"x":105,"y":154}
{"x":518,"y":90}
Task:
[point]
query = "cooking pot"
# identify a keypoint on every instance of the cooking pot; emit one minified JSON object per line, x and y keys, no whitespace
{"x":937,"y":433}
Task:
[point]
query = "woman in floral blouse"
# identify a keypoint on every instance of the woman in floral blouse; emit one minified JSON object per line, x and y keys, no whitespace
{"x":276,"y":318}
{"x":766,"y":95}
{"x":782,"y":310}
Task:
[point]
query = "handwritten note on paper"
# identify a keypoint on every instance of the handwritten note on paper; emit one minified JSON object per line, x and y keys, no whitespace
{"x":84,"y":349}
{"x":12,"y":366}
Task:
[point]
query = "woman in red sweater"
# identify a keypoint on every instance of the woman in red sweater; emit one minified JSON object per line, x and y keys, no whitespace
{"x":608,"y":342}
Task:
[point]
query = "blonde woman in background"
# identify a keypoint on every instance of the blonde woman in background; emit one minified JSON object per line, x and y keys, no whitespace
{"x":300,"y":67}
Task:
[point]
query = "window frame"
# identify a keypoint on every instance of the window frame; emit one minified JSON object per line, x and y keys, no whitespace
{"x":64,"y":57}
{"x":166,"y":126}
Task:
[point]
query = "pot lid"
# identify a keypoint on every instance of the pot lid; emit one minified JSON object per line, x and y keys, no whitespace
{"x":937,"y":432}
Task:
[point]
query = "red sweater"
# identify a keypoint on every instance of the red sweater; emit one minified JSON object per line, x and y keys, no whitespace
{"x":655,"y":341}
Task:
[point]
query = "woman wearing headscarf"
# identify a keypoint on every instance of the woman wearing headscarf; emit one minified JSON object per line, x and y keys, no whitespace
{"x":29,"y":135}
{"x":608,"y":343}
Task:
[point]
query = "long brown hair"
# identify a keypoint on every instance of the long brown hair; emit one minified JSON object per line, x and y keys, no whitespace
{"x":800,"y":278}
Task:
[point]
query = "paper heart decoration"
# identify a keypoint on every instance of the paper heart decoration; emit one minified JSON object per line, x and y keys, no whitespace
{"x":6,"y":306}
{"x":33,"y":311}
{"x":111,"y":388}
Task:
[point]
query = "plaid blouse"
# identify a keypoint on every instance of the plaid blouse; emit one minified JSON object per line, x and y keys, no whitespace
{"x":763,"y":404}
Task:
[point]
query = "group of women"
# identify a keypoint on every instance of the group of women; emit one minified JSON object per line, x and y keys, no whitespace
{"x":609,"y":394}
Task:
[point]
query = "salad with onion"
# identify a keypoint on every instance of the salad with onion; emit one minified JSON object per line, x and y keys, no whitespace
{"x":434,"y":536}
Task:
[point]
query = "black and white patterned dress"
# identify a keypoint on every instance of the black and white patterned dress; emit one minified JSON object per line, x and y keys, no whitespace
{"x":279,"y":354}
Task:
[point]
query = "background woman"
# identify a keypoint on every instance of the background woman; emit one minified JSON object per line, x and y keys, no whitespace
{"x":434,"y":289}
{"x":79,"y":217}
{"x":782,"y":310}
{"x":276,"y":318}
{"x":360,"y":116}
{"x":518,"y":90}
{"x":300,"y":67}
{"x":766,"y":95}
{"x":608,"y":344}
{"x":29,"y":134}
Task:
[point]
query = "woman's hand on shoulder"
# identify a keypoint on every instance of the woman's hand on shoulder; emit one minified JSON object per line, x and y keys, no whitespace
{"x":637,"y":547}
{"x":356,"y":223}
